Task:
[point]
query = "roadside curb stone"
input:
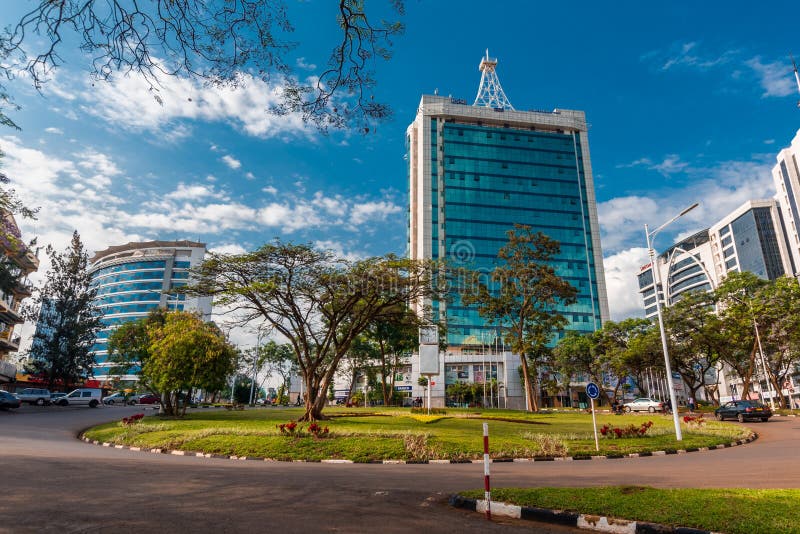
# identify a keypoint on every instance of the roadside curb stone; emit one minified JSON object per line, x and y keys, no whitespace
{"x":572,"y":519}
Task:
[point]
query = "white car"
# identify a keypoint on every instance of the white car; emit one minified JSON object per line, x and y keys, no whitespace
{"x":90,"y":397}
{"x":644,"y":404}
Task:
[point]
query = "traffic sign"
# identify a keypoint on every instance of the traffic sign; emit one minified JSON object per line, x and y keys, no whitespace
{"x":592,"y":391}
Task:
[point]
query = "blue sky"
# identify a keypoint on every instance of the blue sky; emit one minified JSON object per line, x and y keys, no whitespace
{"x":686,"y":101}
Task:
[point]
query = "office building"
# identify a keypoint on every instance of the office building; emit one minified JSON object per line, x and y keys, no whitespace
{"x":474,"y":172}
{"x":749,"y":239}
{"x":134,"y":279}
{"x":786,"y":176}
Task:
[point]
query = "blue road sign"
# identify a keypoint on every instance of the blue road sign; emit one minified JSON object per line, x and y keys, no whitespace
{"x":592,"y":390}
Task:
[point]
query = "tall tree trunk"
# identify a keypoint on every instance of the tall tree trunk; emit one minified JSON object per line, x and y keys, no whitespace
{"x":527,"y":389}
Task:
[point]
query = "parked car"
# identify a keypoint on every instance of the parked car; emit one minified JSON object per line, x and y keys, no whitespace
{"x":644,"y":404}
{"x":56,"y":395}
{"x":133,"y":398}
{"x":116,"y":398}
{"x":7,"y":400}
{"x":90,"y":397}
{"x":149,"y":399}
{"x":742,"y":410}
{"x":37,"y":396}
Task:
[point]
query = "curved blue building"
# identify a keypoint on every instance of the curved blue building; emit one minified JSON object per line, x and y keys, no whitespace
{"x":134,"y":279}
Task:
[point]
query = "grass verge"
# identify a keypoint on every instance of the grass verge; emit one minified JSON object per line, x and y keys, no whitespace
{"x":365,"y":435}
{"x":733,"y":511}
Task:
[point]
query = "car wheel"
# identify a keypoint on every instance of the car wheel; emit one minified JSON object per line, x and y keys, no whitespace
{"x":718,"y":416}
{"x":740,"y":418}
{"x":93,"y":403}
{"x":131,"y":403}
{"x":63,"y":402}
{"x":628,"y":409}
{"x":651,"y":409}
{"x":39,"y":402}
{"x":764,"y":419}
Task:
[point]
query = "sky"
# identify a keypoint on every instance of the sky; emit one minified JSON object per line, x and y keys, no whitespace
{"x":686,"y":102}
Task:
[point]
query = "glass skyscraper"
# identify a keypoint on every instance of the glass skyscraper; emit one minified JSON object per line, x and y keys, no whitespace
{"x":134,"y":279}
{"x":474,"y":172}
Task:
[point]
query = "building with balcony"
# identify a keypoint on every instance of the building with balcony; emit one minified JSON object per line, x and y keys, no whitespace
{"x":135,"y":278}
{"x":18,"y":261}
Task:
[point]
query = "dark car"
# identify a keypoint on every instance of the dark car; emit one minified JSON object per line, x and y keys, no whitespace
{"x":149,"y":399}
{"x":7,"y":400}
{"x":743,"y":410}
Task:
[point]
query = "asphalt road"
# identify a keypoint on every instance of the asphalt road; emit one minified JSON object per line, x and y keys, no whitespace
{"x":51,"y":482}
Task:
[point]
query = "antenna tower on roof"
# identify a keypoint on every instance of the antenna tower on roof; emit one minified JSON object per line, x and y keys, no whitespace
{"x":490,"y":92}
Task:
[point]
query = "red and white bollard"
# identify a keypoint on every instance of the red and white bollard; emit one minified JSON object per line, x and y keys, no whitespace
{"x":487,"y":492}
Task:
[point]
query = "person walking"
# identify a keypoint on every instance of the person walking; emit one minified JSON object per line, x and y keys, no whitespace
{"x":691,"y":404}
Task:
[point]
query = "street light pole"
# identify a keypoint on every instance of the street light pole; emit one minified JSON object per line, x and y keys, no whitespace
{"x":763,"y":364}
{"x":651,"y":236}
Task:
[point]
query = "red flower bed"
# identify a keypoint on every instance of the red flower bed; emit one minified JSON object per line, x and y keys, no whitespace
{"x":630,"y":431}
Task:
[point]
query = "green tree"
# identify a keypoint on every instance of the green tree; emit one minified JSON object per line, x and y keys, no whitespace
{"x":279,"y":358}
{"x":694,"y":329}
{"x":320,"y":303}
{"x":213,"y":41}
{"x":69,"y":322}
{"x":394,"y":336}
{"x":129,"y":346}
{"x":185,"y":354}
{"x":523,"y":296}
{"x":777,"y":310}
{"x":737,"y":346}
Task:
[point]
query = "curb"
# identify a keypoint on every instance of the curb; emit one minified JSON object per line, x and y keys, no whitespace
{"x":572,"y":519}
{"x":199,"y":454}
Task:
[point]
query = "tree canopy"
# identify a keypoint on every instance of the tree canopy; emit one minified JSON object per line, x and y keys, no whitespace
{"x":317,"y":301}
{"x":212,"y":40}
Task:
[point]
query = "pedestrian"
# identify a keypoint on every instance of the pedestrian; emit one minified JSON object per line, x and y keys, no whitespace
{"x":298,"y":400}
{"x":691,"y":404}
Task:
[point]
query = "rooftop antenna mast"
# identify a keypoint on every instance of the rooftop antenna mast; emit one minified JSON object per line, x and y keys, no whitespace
{"x":490,"y":92}
{"x":796,"y":77}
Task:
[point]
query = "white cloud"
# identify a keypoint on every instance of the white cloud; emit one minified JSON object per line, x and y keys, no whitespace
{"x":193,"y":192}
{"x":688,"y":55}
{"x":228,"y":248}
{"x":53,"y":130}
{"x":379,"y":211}
{"x":301,"y":63}
{"x":231,"y":162}
{"x":621,"y":269}
{"x":131,"y":103}
{"x":270,"y":190}
{"x":775,"y":78}
{"x":250,"y":176}
{"x":671,"y":164}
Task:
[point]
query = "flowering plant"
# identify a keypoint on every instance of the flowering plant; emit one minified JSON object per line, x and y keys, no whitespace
{"x":630,"y":431}
{"x":128,"y":421}
{"x":694,"y":421}
{"x":288,"y":429}
{"x":317,"y":431}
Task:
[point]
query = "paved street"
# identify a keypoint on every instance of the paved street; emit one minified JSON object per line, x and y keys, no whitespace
{"x":54,"y":483}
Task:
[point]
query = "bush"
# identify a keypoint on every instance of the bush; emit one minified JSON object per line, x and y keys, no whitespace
{"x":128,"y":421}
{"x":630,"y":431}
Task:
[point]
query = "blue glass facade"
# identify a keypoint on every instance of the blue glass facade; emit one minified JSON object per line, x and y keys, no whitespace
{"x":484,"y":179}
{"x":129,"y":288}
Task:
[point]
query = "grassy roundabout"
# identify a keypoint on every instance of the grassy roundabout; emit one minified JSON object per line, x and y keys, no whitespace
{"x":733,"y":511}
{"x":364,"y":435}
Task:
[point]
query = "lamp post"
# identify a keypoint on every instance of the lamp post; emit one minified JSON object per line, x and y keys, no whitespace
{"x":651,"y":236}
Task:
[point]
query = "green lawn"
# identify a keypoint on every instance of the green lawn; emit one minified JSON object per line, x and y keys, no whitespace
{"x":372,"y":434}
{"x":732,"y":511}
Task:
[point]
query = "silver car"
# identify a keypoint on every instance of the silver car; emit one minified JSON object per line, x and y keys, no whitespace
{"x":644,"y":404}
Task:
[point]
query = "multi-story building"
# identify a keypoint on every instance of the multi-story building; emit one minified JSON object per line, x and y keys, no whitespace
{"x":134,"y":279}
{"x":18,"y":262}
{"x":786,"y":176}
{"x":749,"y":239}
{"x":477,"y":170}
